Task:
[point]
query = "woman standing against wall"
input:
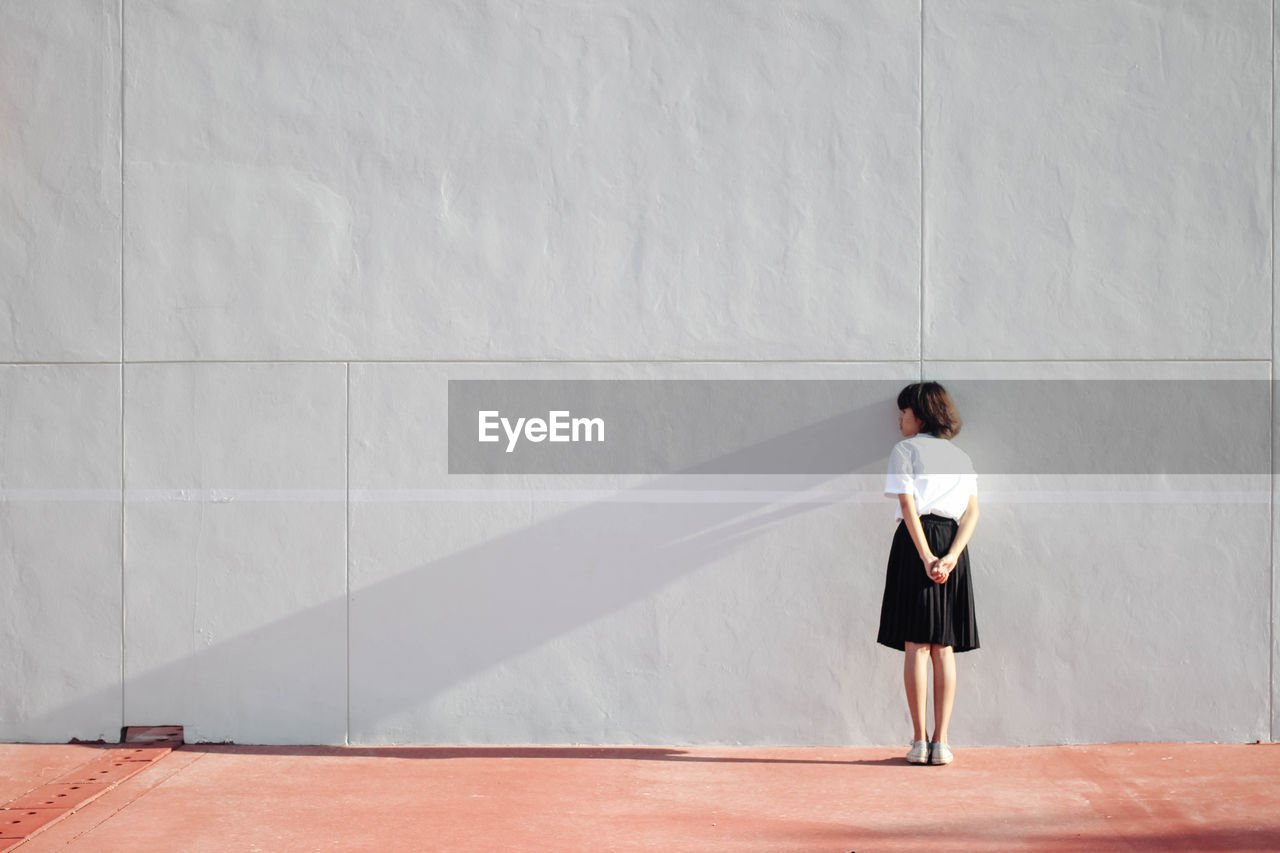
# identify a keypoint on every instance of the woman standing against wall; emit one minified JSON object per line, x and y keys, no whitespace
{"x":927,"y":611}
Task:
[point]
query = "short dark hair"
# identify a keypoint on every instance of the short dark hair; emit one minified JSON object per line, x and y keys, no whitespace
{"x":933,"y":406}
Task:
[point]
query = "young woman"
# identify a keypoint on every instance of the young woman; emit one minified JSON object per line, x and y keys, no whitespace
{"x":927,"y":611}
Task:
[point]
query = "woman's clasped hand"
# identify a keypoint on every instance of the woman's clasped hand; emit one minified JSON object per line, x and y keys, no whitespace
{"x":941,"y":568}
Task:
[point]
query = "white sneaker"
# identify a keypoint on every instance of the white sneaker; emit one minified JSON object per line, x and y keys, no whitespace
{"x":919,"y":753}
{"x":940,"y":753}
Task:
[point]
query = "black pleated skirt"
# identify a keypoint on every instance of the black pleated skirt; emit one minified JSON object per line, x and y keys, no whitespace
{"x":916,"y":609}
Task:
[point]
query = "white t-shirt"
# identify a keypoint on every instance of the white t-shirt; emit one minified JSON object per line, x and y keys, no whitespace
{"x":935,"y":471}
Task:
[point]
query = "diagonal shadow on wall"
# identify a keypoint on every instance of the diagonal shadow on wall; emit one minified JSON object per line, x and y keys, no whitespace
{"x":420,"y":632}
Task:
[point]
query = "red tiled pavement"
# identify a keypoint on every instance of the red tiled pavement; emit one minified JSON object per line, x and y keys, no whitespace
{"x":24,"y":766}
{"x":39,"y":807}
{"x":283,"y":799}
{"x":58,"y":795}
{"x":19,"y":823}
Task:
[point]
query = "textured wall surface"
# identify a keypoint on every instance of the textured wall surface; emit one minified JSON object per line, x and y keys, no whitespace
{"x":416,"y":181}
{"x":248,"y":244}
{"x":60,"y":189}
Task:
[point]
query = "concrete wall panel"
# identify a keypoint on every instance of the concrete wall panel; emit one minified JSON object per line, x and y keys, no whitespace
{"x":501,"y":180}
{"x":608,"y":609}
{"x":60,"y":187}
{"x":60,"y":564}
{"x":235,"y":575}
{"x":1117,"y":606}
{"x":1096,"y":179}
{"x":1275,"y":405}
{"x":1111,"y":617}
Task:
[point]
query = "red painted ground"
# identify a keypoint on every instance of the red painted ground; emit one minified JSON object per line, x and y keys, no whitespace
{"x":74,"y":785}
{"x":24,"y":766}
{"x":282,"y":799}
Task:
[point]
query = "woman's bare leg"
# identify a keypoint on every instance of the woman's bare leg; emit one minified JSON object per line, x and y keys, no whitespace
{"x":915,"y":677}
{"x":944,"y":689}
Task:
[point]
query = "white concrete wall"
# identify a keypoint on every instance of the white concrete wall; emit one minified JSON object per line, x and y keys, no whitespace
{"x":247,"y":244}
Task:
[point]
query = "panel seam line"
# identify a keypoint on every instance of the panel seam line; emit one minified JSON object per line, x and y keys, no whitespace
{"x":1260,"y":360}
{"x":922,"y":193}
{"x":1271,"y":610}
{"x":347,"y":548}
{"x":123,"y":616}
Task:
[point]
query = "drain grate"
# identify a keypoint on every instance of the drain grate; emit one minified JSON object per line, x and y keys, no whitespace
{"x":169,"y":736}
{"x":23,"y":823}
{"x":58,"y":796}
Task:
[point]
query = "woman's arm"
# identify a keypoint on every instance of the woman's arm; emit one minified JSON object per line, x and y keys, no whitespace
{"x":916,"y":529}
{"x":968,"y":521}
